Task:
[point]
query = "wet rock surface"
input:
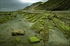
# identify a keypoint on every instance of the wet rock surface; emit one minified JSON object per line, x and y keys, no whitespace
{"x":56,"y":37}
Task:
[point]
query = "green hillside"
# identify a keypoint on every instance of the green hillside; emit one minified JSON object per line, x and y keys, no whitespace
{"x":50,"y":5}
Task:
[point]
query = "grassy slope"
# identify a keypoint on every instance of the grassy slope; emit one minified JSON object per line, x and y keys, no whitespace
{"x":32,"y":6}
{"x":55,"y":5}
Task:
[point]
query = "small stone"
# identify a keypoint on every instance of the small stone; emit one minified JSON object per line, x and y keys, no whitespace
{"x":18,"y":32}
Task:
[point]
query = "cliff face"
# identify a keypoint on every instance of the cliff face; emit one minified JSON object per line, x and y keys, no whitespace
{"x":56,"y":5}
{"x":50,"y":5}
{"x":33,"y":6}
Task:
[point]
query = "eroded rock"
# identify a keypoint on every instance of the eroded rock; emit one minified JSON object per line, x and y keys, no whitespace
{"x":18,"y":32}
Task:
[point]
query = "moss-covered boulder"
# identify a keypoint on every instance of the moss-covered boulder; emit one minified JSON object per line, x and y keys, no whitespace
{"x":34,"y":39}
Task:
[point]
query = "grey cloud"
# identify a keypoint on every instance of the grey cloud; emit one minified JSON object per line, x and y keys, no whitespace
{"x":44,"y":0}
{"x":10,"y":5}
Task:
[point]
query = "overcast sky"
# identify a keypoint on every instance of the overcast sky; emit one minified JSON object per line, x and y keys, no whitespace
{"x":10,"y":5}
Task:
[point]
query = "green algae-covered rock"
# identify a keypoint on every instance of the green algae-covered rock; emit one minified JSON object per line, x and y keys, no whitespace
{"x":34,"y":39}
{"x":50,"y":27}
